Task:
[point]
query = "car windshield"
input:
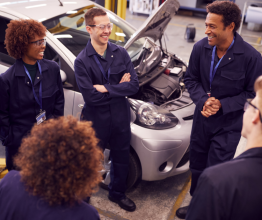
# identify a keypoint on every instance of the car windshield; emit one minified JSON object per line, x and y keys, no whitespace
{"x":70,"y":30}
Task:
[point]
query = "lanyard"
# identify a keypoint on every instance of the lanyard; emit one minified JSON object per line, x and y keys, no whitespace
{"x":213,"y":71}
{"x":102,"y":69}
{"x":39,"y":101}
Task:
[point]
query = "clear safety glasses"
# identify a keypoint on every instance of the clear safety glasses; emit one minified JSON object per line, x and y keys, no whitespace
{"x":39,"y":43}
{"x":248,"y":103}
{"x":103,"y":26}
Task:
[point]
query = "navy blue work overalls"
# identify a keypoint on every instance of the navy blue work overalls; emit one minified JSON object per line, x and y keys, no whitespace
{"x":214,"y":139}
{"x":18,"y":107}
{"x":109,"y":112}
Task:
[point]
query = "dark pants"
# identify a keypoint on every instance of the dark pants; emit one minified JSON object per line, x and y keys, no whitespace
{"x":119,"y":141}
{"x":210,"y":144}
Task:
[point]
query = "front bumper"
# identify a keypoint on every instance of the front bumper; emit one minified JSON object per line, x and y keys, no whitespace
{"x":163,"y":147}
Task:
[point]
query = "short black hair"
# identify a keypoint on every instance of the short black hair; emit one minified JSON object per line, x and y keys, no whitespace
{"x":229,"y":10}
{"x":93,"y":12}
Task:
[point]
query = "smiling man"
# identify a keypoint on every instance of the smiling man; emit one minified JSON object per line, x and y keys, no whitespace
{"x":105,"y":76}
{"x":220,"y":77}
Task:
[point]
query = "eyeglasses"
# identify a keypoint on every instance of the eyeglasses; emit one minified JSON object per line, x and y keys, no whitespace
{"x":103,"y":26}
{"x":248,"y":103}
{"x":39,"y":43}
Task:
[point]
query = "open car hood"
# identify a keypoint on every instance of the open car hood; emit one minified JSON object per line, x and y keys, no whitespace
{"x":156,"y":24}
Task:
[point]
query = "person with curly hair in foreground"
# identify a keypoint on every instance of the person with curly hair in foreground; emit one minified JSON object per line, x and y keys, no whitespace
{"x":59,"y":163}
{"x":31,"y":90}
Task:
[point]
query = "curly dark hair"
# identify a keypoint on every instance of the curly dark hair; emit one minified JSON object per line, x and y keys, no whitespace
{"x":19,"y":33}
{"x":229,"y":10}
{"x":60,"y":160}
{"x":91,"y":13}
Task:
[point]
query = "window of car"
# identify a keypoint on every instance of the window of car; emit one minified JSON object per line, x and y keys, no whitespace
{"x":70,"y":30}
{"x":5,"y":59}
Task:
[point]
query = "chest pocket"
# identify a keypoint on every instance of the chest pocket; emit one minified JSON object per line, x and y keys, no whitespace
{"x":232,"y":82}
{"x":117,"y":73}
{"x":49,"y":98}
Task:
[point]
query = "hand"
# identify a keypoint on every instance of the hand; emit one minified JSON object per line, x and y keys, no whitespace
{"x":125,"y":78}
{"x":100,"y":88}
{"x":211,"y":107}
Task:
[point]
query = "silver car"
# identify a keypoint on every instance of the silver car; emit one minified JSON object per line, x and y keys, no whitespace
{"x":161,"y":112}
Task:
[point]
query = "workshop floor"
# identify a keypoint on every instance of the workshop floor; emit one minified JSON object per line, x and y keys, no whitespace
{"x":159,"y":200}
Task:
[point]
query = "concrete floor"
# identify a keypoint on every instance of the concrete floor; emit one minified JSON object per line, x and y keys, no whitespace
{"x":158,"y":200}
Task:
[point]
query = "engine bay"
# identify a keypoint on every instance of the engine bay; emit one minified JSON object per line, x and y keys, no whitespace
{"x":160,"y":76}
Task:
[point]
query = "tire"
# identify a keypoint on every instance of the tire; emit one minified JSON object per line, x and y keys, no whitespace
{"x":134,"y":173}
{"x":134,"y":170}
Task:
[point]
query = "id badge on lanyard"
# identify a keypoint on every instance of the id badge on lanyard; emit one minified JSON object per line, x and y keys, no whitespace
{"x":42,"y":115}
{"x":213,"y":71}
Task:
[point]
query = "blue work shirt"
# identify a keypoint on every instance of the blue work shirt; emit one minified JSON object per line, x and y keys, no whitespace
{"x":232,"y":84}
{"x":104,"y":109}
{"x":18,"y":108}
{"x":16,"y":203}
{"x":230,"y":191}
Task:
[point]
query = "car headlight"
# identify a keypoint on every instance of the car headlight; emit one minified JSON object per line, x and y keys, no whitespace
{"x":151,"y":116}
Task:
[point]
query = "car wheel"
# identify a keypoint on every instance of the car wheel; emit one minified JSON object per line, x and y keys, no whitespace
{"x":133,"y":174}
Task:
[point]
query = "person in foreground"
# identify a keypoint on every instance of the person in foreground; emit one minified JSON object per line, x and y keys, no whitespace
{"x":105,"y":76}
{"x":232,"y":190}
{"x":31,"y":90}
{"x":220,"y":77}
{"x":59,"y":164}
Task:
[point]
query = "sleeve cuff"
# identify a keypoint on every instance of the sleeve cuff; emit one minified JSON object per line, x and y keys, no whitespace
{"x":225,"y":106}
{"x":201,"y":103}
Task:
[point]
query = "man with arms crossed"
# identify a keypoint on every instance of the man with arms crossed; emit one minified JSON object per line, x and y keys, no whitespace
{"x":220,"y":77}
{"x":105,"y":76}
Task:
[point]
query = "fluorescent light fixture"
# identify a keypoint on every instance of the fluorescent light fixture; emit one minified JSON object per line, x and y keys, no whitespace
{"x":36,"y":6}
{"x":36,"y":0}
{"x":120,"y":34}
{"x":71,"y":12}
{"x":41,"y":19}
{"x":68,"y":3}
{"x":111,"y":16}
{"x":63,"y":36}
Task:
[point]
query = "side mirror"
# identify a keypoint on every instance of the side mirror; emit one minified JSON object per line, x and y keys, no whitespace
{"x":63,"y":76}
{"x":66,"y":85}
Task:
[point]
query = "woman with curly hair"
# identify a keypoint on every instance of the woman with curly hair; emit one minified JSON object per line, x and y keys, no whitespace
{"x":31,"y":90}
{"x":59,"y":164}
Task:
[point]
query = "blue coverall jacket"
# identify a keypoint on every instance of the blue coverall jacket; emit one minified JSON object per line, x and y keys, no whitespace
{"x":18,"y":108}
{"x":17,"y":203}
{"x":109,"y":112}
{"x":214,"y":139}
{"x":231,"y":190}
